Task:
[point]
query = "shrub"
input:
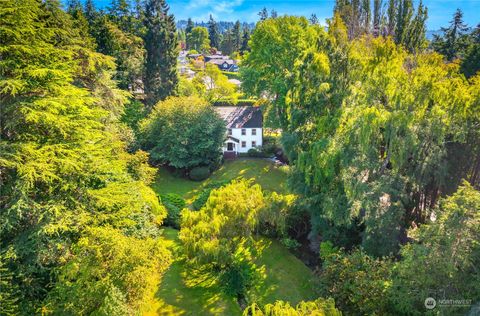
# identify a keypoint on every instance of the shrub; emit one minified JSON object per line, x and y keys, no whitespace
{"x":174,"y":204}
{"x":256,"y":152}
{"x":359,"y":283}
{"x":205,"y":194}
{"x":290,"y":243}
{"x":199,"y":173}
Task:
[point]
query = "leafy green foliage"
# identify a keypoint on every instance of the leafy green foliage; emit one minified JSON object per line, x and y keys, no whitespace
{"x":63,"y":162}
{"x":197,"y":39}
{"x":443,"y":261}
{"x":199,"y":173}
{"x":357,"y":119}
{"x":203,"y":196}
{"x":108,"y":272}
{"x":214,"y":85}
{"x":174,"y":204}
{"x":183,"y":132}
{"x":220,"y":234}
{"x":359,"y":283}
{"x":161,"y":45}
{"x":317,"y":307}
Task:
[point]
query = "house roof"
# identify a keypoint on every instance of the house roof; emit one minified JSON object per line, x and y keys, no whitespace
{"x":221,"y":61}
{"x":241,"y":116}
{"x":236,"y":140}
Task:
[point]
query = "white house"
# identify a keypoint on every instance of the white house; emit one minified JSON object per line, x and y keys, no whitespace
{"x":244,"y":128}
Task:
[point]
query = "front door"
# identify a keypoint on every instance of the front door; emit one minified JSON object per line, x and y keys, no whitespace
{"x":229,"y":146}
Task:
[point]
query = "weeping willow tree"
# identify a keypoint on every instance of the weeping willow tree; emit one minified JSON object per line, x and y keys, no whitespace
{"x":63,"y":164}
{"x":375,"y":134}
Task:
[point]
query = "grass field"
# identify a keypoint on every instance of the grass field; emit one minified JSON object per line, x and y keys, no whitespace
{"x":263,"y":172}
{"x":186,"y":292}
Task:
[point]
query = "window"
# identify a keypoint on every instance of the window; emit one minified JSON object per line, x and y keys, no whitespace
{"x":229,"y":147}
{"x":244,"y":131}
{"x":230,"y":132}
{"x":254,"y":144}
{"x":244,"y":144}
{"x":254,"y":132}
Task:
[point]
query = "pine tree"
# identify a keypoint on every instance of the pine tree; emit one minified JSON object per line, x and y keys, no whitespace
{"x":245,"y":38}
{"x":314,"y":19}
{"x":237,"y":36}
{"x":273,"y":14}
{"x":161,"y":45}
{"x":213,"y":33}
{"x":453,"y":42}
{"x":263,"y":14}
{"x":188,"y":30}
{"x":90,"y":12}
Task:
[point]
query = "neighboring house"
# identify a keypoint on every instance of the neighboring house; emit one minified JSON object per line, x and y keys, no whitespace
{"x":225,"y":64}
{"x":244,"y":128}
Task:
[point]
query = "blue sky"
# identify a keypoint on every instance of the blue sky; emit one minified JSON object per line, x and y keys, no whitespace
{"x":440,"y":11}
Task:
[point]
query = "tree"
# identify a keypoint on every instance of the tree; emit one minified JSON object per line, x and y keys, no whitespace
{"x":63,"y":162}
{"x":453,"y":43}
{"x":213,"y":33}
{"x":109,"y":272}
{"x":245,"y":38}
{"x":183,"y":132}
{"x":317,"y":307}
{"x":228,"y":42}
{"x":377,"y":17}
{"x":161,"y":45}
{"x":471,"y":62}
{"x":359,"y":283}
{"x":190,"y":26}
{"x":263,"y":14}
{"x":273,"y":14}
{"x":314,"y":19}
{"x":197,"y":39}
{"x":214,"y":85}
{"x":220,"y":234}
{"x":450,"y":244}
{"x":237,"y":36}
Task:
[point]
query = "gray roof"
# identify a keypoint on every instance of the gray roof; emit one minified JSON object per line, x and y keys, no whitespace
{"x":241,"y":116}
{"x":221,"y":61}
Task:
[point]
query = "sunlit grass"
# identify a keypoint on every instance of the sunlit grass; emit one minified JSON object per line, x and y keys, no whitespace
{"x":263,"y":172}
{"x":184,"y":291}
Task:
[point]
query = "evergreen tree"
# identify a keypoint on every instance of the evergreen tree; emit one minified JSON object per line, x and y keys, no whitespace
{"x":273,"y":14}
{"x":263,"y":14}
{"x":120,"y":13}
{"x":245,"y":38}
{"x":213,"y":33}
{"x":314,"y":19}
{"x":237,"y":36}
{"x":190,"y":26}
{"x":62,"y":161}
{"x":161,"y":45}
{"x":228,"y":43}
{"x":471,"y":62}
{"x":90,"y":12}
{"x":454,"y":41}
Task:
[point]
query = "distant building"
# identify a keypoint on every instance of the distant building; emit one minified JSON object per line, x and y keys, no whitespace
{"x":244,"y":129}
{"x":225,"y":64}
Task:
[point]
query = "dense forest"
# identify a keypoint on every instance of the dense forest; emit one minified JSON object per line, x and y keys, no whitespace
{"x":380,"y":128}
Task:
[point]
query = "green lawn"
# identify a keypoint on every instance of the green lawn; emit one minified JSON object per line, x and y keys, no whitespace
{"x":263,"y":172}
{"x":186,"y":292}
